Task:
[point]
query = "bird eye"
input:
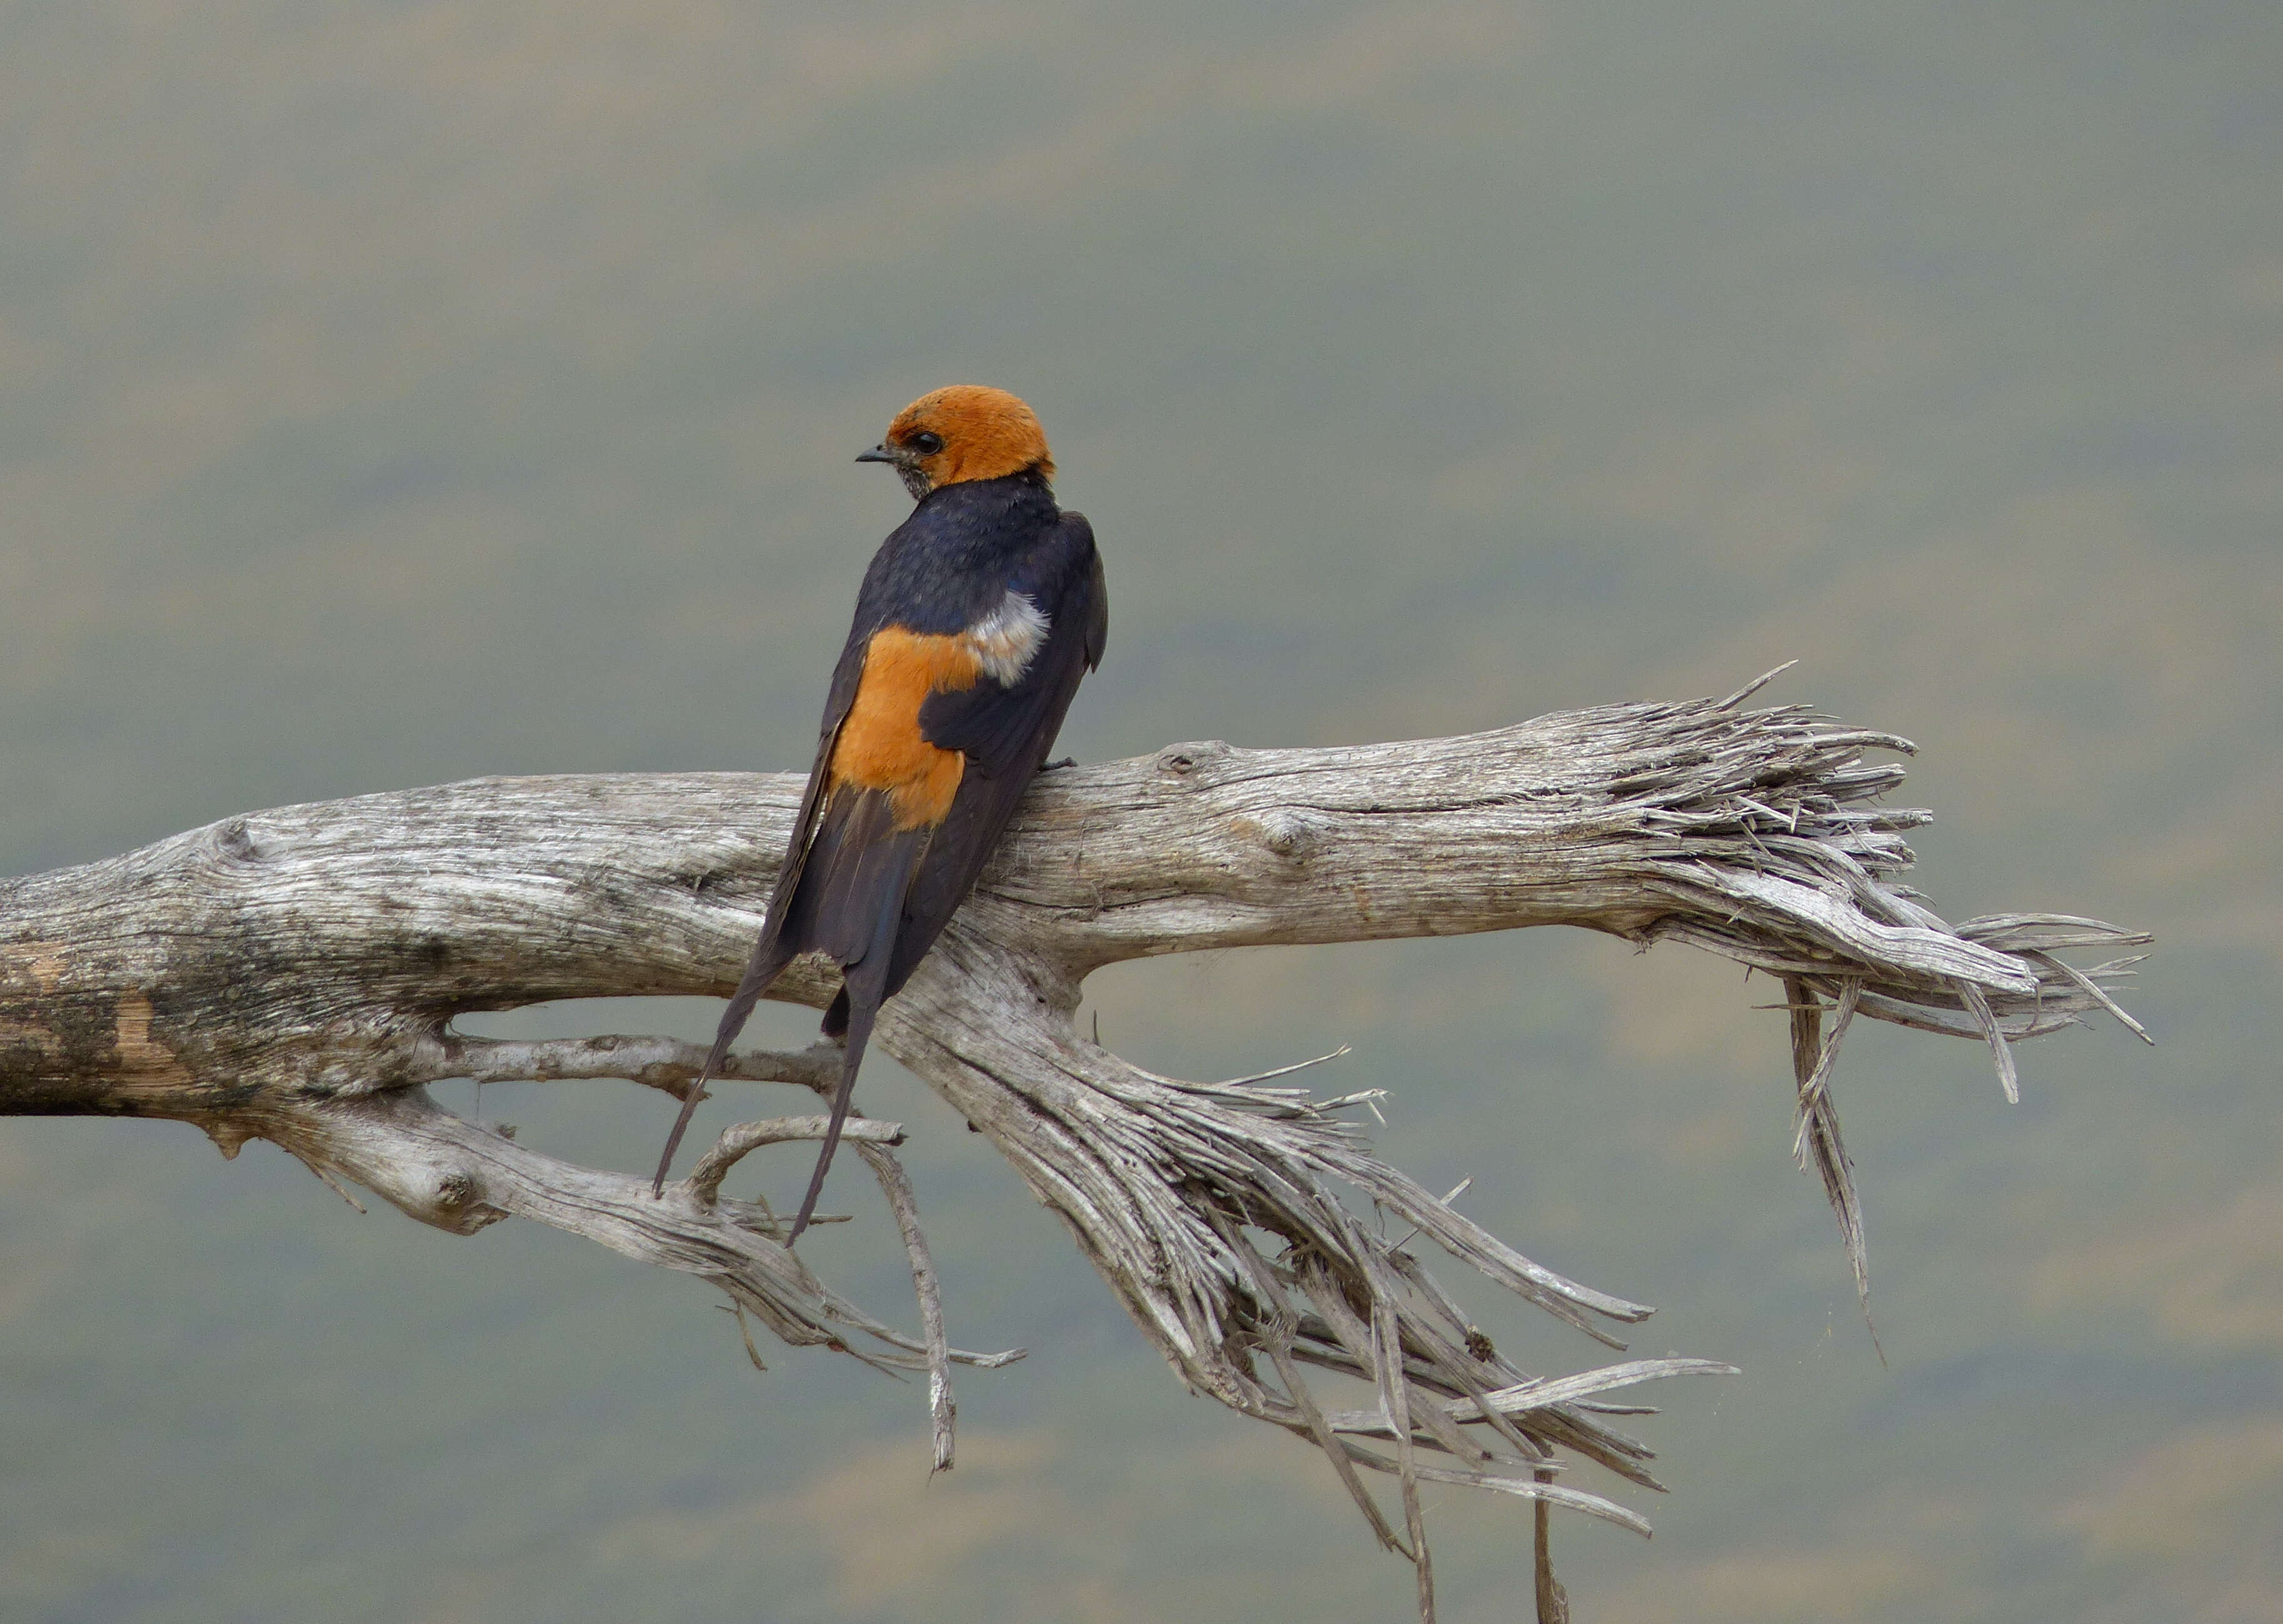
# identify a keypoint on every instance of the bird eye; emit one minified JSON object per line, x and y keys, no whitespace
{"x":927,"y":445}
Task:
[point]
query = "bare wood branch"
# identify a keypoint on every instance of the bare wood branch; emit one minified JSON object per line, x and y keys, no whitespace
{"x":1816,"y":1141}
{"x":735,"y":1144}
{"x":668,"y":1064}
{"x":942,"y":1412}
{"x":292,"y":974}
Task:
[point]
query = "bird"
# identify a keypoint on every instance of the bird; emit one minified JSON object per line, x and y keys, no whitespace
{"x":977,"y":620}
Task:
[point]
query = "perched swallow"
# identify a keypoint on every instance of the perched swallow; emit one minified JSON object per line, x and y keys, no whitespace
{"x":977,"y":618}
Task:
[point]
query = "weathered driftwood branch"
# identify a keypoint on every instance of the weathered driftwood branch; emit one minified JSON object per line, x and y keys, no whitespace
{"x":291,"y":975}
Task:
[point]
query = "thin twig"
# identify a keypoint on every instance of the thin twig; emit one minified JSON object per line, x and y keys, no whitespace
{"x":668,"y":1064}
{"x":1552,"y":1600}
{"x":942,"y":1412}
{"x":1395,"y":1399}
{"x":1816,"y":1138}
{"x":736,"y":1142}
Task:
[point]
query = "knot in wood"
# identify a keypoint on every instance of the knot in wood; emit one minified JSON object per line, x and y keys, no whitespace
{"x":453,"y":1200}
{"x":235,"y":841}
{"x":1181,"y":760}
{"x":1288,"y":834}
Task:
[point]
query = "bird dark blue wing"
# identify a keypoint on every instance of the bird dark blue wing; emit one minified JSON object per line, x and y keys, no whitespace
{"x":1005,"y":731}
{"x":1008,"y":727}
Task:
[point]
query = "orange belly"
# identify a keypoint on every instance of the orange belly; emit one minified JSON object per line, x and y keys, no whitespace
{"x":881,"y":746}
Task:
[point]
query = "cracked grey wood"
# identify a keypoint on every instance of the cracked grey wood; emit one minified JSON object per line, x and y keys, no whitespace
{"x":291,"y":975}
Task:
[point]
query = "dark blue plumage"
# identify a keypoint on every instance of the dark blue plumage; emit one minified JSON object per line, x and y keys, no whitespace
{"x":944,"y":568}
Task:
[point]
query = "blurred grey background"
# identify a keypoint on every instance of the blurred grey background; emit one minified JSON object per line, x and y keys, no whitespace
{"x":395,"y":393}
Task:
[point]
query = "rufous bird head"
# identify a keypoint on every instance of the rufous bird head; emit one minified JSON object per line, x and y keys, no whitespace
{"x":967,"y":432}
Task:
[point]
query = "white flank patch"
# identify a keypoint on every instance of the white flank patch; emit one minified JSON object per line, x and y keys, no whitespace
{"x":1008,"y":639}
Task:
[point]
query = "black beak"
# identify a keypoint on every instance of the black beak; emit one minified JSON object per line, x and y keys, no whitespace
{"x":877,"y":454}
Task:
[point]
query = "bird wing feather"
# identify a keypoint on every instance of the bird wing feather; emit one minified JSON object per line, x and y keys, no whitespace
{"x":1005,"y":733}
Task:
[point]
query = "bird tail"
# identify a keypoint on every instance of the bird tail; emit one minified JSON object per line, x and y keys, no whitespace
{"x":770,"y":957}
{"x":848,"y":902}
{"x":891,"y":865}
{"x":865,"y":985}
